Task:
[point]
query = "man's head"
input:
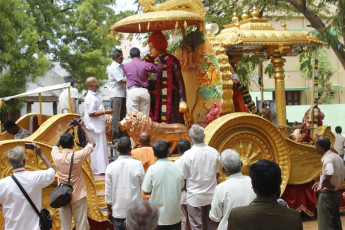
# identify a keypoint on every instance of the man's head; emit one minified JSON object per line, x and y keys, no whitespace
{"x":141,"y":215}
{"x":196,"y":134}
{"x":92,"y":84}
{"x":231,"y":161}
{"x":322,"y":144}
{"x":66,"y":141}
{"x":16,"y":157}
{"x":134,"y":52}
{"x":124,"y":146}
{"x":338,"y":129}
{"x":70,"y":80}
{"x":183,"y":145}
{"x":11,"y":127}
{"x":266,"y":178}
{"x":144,"y":139}
{"x":157,"y":44}
{"x":117,"y":56}
{"x":160,"y":149}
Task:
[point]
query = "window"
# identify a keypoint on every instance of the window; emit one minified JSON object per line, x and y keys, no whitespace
{"x":291,"y":97}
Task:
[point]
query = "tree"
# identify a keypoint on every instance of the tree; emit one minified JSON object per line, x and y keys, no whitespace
{"x":20,"y":56}
{"x":324,"y":72}
{"x":76,"y":33}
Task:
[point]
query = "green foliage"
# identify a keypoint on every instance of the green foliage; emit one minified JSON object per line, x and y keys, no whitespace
{"x":324,"y":72}
{"x":20,"y":56}
{"x":247,"y":65}
{"x":75,"y":33}
{"x":306,"y":62}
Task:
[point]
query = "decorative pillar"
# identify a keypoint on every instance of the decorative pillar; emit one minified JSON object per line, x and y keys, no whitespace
{"x":279,"y":76}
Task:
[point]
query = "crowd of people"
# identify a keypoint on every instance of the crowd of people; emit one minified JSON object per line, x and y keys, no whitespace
{"x":181,"y":195}
{"x":144,"y":189}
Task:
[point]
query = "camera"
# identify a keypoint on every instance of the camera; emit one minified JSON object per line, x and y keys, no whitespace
{"x":75,"y":122}
{"x":29,"y":146}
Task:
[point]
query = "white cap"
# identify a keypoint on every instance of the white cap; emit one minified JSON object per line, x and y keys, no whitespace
{"x":235,"y":77}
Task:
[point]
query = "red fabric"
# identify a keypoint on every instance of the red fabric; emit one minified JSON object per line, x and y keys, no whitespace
{"x":303,"y":198}
{"x":105,"y":225}
{"x":158,"y":41}
{"x":170,"y":66}
{"x":156,"y":113}
{"x":238,"y":101}
{"x":342,"y":201}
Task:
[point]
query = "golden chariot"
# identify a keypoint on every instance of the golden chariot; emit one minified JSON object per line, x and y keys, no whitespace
{"x":251,"y":135}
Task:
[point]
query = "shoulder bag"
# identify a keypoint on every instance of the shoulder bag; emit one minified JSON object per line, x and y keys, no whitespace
{"x":62,"y":194}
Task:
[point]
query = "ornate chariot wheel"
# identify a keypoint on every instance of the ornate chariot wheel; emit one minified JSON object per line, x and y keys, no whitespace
{"x":253,"y":137}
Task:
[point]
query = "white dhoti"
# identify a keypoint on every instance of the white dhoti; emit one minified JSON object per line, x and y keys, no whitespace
{"x":96,"y":128}
{"x":99,"y":156}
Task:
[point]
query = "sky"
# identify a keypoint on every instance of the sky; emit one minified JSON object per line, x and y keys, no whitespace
{"x":123,"y":5}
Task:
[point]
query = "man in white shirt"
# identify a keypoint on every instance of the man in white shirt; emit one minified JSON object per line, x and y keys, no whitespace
{"x":117,"y":93}
{"x":339,"y":143}
{"x":123,"y":179}
{"x":94,"y":120}
{"x":182,"y":146}
{"x":63,"y":98}
{"x":164,"y":182}
{"x":234,"y":192}
{"x":18,"y":213}
{"x":331,"y":179}
{"x":200,"y":166}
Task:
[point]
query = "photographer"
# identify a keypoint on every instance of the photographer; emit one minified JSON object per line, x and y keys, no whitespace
{"x":17,"y":211}
{"x":62,"y":161}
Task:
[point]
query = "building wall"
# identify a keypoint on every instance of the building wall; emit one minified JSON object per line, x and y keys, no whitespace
{"x":334,"y":114}
{"x":294,"y":78}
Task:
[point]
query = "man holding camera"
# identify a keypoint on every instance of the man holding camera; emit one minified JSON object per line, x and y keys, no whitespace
{"x":17,"y":211}
{"x":62,"y":161}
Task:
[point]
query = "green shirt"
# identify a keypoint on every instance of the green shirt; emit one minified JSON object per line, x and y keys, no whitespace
{"x":164,"y":180}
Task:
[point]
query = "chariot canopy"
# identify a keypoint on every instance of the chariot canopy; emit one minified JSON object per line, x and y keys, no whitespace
{"x":257,"y":36}
{"x":169,"y":15}
{"x":153,"y":21}
{"x":39,"y":91}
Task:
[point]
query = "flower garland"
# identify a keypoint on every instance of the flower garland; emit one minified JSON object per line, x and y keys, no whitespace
{"x":163,"y":86}
{"x":164,"y":89}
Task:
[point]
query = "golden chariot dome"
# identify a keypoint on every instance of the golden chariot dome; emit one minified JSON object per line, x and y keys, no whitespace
{"x":257,"y":35}
{"x":165,"y":16}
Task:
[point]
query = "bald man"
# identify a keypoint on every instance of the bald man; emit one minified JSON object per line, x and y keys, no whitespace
{"x":145,"y":152}
{"x":94,"y":119}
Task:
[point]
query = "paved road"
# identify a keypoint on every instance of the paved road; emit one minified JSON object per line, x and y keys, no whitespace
{"x":310,"y":223}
